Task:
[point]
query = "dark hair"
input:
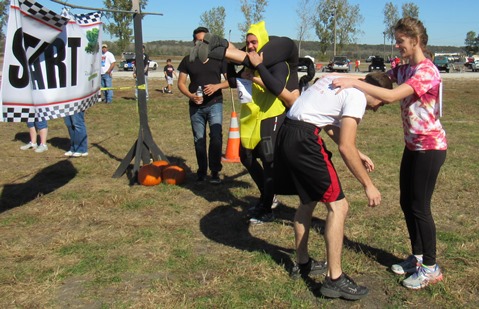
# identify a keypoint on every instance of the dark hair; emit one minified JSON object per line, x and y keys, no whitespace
{"x":379,"y":79}
{"x":199,"y":30}
{"x":168,"y":60}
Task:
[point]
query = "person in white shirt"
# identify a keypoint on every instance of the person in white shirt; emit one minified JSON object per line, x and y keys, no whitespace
{"x":107,"y":65}
{"x":303,"y":166}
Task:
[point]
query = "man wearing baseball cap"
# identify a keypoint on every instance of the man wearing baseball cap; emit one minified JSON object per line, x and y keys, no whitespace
{"x":107,"y":65}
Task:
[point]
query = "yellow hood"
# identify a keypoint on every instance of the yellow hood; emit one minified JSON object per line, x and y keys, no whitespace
{"x":259,"y":30}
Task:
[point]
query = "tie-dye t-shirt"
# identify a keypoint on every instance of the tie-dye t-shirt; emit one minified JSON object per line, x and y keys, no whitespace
{"x":420,"y":111}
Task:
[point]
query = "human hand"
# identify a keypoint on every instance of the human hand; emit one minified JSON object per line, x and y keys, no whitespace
{"x":343,"y":83}
{"x":255,"y":58}
{"x":374,"y":196}
{"x":367,"y":162}
{"x":209,"y":89}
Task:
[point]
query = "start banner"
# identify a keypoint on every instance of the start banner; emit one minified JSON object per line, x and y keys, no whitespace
{"x":52,"y":63}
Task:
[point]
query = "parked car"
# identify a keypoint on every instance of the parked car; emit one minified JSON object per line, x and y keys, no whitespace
{"x":475,"y":66}
{"x":153,"y":65}
{"x":442,"y":63}
{"x":377,"y":64}
{"x":128,"y":61}
{"x":338,"y":63}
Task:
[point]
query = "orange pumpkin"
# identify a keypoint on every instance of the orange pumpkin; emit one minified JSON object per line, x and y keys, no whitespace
{"x":174,"y":175}
{"x":161,"y":163}
{"x":149,"y":175}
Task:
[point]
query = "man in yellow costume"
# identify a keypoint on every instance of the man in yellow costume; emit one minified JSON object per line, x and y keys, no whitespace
{"x":262,"y":113}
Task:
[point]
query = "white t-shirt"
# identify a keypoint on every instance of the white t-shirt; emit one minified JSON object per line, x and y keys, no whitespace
{"x":321,"y":105}
{"x":106,"y":60}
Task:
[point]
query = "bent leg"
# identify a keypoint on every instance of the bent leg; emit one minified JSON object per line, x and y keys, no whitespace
{"x":334,"y":234}
{"x":302,"y":224}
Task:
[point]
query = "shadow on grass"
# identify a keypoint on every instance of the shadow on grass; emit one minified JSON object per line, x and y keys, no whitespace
{"x":44,"y":182}
{"x":227,"y":225}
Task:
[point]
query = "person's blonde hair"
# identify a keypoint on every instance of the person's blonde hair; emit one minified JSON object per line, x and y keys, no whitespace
{"x":413,"y":28}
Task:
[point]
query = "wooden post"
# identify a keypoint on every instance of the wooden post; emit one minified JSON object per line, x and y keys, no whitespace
{"x":144,"y":148}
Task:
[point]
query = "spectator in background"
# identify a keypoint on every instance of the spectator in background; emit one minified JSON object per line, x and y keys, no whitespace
{"x":42,"y":128}
{"x":107,"y":65}
{"x":356,"y":65}
{"x":169,"y":71}
{"x":78,"y":135}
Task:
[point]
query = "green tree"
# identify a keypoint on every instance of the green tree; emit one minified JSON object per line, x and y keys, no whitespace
{"x":120,"y":26}
{"x":391,"y":16}
{"x":471,"y":43}
{"x":410,"y":9}
{"x":337,"y":22}
{"x":253,"y":12}
{"x":305,"y":12}
{"x":214,"y":20}
{"x":4,"y":9}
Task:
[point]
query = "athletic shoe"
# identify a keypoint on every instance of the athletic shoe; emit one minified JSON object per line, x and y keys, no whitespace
{"x":41,"y":148}
{"x":423,"y":277}
{"x":79,"y":154}
{"x":263,"y":218}
{"x":215,"y":178}
{"x":212,"y":46}
{"x":275,"y":202}
{"x":408,"y":266}
{"x":29,"y":146}
{"x":344,"y":287}
{"x":200,"y":178}
{"x":68,"y":153}
{"x":310,"y":268}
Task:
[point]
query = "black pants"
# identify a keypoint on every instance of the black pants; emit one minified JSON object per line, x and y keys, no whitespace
{"x":262,"y":174}
{"x":418,"y":175}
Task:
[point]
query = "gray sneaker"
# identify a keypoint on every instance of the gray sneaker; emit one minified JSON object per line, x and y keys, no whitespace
{"x":29,"y":146}
{"x":41,"y":148}
{"x":343,"y":287}
{"x":311,"y":268}
{"x":408,"y":266}
{"x":423,"y":277}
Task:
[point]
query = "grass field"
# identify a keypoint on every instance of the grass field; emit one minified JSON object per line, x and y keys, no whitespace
{"x":71,"y":236}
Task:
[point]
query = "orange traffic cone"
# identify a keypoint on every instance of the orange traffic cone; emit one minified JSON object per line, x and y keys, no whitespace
{"x":232,"y":148}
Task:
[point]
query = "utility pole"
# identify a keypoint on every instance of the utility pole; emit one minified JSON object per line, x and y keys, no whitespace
{"x":384,"y":45}
{"x":334,"y":42}
{"x":144,"y":148}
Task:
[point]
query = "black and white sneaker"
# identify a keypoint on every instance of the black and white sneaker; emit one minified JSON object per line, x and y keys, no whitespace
{"x":215,"y":178}
{"x":344,"y":287}
{"x":310,"y":268}
{"x":262,"y":218}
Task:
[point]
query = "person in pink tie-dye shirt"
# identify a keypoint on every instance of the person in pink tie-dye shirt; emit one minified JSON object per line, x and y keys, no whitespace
{"x":419,"y":92}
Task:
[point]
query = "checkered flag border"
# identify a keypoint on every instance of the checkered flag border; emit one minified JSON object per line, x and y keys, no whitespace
{"x":39,"y":12}
{"x":32,"y":114}
{"x":89,"y":18}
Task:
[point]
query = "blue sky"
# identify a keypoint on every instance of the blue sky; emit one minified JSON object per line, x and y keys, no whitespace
{"x":447,"y":22}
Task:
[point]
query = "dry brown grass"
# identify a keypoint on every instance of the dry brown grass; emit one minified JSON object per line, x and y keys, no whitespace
{"x":73,"y":237}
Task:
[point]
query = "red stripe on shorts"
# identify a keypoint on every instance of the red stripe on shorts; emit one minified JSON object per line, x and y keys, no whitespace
{"x":332,"y":193}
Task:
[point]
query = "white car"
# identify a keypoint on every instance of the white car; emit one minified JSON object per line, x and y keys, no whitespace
{"x":153,"y":65}
{"x":475,"y":66}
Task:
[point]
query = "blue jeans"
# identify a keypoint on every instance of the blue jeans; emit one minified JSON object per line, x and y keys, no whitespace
{"x":106,"y":81}
{"x":199,"y":116}
{"x":77,"y":130}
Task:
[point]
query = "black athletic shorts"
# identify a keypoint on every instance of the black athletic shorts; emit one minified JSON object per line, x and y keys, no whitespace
{"x":303,"y":166}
